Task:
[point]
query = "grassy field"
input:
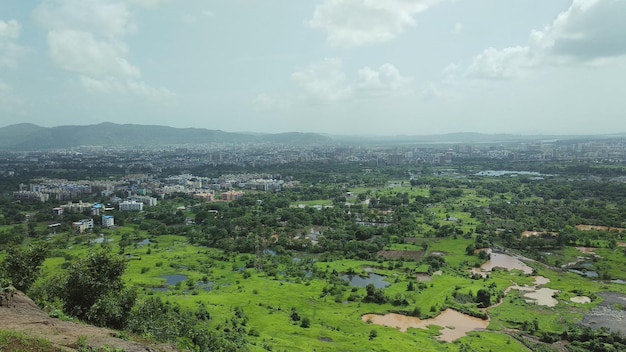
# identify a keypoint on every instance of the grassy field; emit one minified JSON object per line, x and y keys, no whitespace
{"x":316,"y":290}
{"x":268,"y":297}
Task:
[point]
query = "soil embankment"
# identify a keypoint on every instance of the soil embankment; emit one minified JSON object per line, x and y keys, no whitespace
{"x":25,"y":317}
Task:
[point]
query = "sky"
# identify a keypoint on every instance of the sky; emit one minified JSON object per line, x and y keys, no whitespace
{"x":351,"y":67}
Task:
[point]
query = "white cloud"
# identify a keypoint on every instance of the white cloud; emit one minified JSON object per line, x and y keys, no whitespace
{"x":326,"y":82}
{"x":126,"y":87}
{"x":9,"y":50}
{"x":385,"y":81}
{"x":458,"y":27}
{"x":588,"y":32}
{"x":105,"y":18}
{"x":80,"y":52}
{"x":350,"y":23}
{"x":9,"y":30}
{"x":323,"y":82}
{"x":87,"y":37}
{"x":147,"y":3}
{"x":501,"y":64}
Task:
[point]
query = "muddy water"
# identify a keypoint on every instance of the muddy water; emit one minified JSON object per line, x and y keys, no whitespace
{"x":500,"y":260}
{"x":539,"y":296}
{"x":542,"y":297}
{"x":455,"y":325}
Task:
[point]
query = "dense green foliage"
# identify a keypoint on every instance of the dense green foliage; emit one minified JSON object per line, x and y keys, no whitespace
{"x":283,"y":258}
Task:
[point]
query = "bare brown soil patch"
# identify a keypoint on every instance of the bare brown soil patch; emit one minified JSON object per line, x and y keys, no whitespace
{"x":408,"y":255}
{"x":25,"y":317}
{"x":599,"y":228}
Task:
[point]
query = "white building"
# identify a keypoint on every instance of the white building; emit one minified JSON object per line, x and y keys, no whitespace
{"x":108,"y":221}
{"x":149,"y":201}
{"x":83,"y":225}
{"x":130,"y":205}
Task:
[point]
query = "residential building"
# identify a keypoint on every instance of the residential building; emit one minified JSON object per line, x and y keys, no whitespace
{"x":83,"y":225}
{"x":108,"y":221}
{"x":130,"y":205}
{"x":231,"y":195}
{"x":149,"y":201}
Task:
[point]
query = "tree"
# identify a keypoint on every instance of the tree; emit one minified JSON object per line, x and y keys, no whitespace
{"x":373,"y":334}
{"x":21,"y":265}
{"x":483,"y":298}
{"x":94,"y":290}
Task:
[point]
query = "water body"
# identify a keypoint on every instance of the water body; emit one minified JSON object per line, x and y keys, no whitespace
{"x":144,"y":242}
{"x":206,"y":286}
{"x":500,"y":173}
{"x":174,"y":279}
{"x":540,"y":296}
{"x":500,"y":260}
{"x":455,"y":325}
{"x":101,"y":240}
{"x":377,"y":280}
{"x":607,"y":313}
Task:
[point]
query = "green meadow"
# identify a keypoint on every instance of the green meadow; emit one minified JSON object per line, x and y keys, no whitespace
{"x":270,"y":288}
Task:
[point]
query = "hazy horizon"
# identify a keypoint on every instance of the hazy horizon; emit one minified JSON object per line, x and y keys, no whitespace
{"x":362,"y":135}
{"x":340,"y":67}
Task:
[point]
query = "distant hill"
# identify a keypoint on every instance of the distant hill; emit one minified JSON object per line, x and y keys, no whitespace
{"x":32,"y":137}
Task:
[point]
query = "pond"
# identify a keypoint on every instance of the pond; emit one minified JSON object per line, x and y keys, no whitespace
{"x":206,"y":286}
{"x":455,"y":325}
{"x":609,"y":314}
{"x":101,"y":240}
{"x":377,"y":280}
{"x":540,"y":296}
{"x":145,"y":242}
{"x":501,"y":260}
{"x":174,"y":279}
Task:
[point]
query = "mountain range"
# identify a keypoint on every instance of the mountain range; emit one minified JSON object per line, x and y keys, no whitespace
{"x":27,"y":136}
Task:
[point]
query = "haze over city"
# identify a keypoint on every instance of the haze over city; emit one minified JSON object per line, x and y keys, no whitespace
{"x":331,"y":66}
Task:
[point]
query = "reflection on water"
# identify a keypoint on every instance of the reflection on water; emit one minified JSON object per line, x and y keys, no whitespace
{"x":377,"y":280}
{"x":455,"y":325}
{"x":144,"y":242}
{"x":174,"y":279}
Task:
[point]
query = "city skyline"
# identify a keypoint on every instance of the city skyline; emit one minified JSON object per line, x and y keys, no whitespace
{"x":343,"y":67}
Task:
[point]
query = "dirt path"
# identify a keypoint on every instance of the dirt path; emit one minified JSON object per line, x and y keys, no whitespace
{"x":24,"y":316}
